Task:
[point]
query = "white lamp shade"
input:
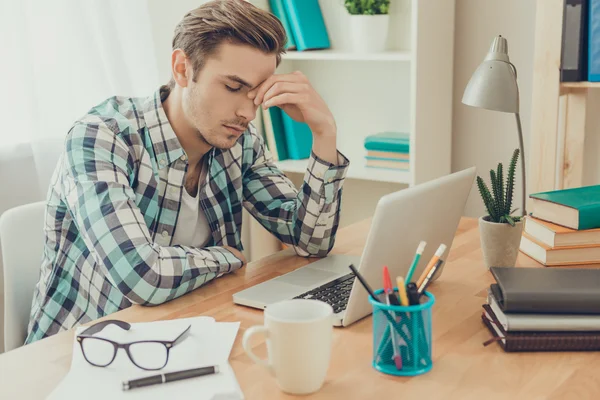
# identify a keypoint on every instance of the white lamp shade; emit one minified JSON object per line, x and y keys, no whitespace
{"x":493,"y":86}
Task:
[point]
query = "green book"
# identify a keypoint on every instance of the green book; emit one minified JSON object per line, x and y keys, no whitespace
{"x":577,"y":208}
{"x":388,"y":141}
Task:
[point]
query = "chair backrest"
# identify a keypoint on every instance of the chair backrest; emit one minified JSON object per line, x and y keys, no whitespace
{"x":22,"y":241}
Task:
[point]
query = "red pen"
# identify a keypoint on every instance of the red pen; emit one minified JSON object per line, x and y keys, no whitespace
{"x":391,"y":299}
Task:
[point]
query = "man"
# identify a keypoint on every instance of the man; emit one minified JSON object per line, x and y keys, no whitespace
{"x":145,"y":204}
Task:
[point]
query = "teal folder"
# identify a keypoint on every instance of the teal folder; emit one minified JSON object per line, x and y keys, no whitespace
{"x":298,"y":138}
{"x":279,"y":132}
{"x":278,"y":10}
{"x":388,"y":141}
{"x":308,"y":27}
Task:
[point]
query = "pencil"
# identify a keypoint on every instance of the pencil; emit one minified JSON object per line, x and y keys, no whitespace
{"x":427,"y":279}
{"x":402,"y":291}
{"x":440,"y":251}
{"x":416,"y":259}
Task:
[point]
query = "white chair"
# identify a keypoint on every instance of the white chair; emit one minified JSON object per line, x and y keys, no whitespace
{"x":22,"y":242}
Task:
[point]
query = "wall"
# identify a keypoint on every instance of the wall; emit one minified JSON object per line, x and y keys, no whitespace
{"x":481,"y":137}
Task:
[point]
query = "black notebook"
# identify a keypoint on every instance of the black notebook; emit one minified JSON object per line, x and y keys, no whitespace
{"x":538,"y":341}
{"x":547,"y":290}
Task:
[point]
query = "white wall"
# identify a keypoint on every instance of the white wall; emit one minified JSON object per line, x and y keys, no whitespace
{"x":481,"y":137}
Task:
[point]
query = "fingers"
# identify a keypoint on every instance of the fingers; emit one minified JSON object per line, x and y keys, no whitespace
{"x":283,"y":87}
{"x":259,"y":93}
{"x":286,"y":98}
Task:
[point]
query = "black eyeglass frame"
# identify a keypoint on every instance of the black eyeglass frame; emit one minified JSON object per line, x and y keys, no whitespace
{"x":89,"y":333}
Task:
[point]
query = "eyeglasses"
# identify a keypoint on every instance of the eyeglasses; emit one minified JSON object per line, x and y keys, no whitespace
{"x":145,"y":354}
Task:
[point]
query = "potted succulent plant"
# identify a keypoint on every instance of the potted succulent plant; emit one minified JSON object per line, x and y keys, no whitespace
{"x":500,"y":230}
{"x":369,"y":20}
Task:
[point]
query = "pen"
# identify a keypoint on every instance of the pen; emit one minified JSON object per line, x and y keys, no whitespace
{"x":364,"y":283}
{"x":362,"y":280}
{"x":387,"y":286}
{"x":169,"y":377}
{"x":413,"y":266}
{"x":402,"y":291}
{"x":432,"y":262}
{"x":429,"y":276}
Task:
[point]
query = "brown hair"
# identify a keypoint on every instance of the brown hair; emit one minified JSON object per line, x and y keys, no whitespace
{"x":203,"y":29}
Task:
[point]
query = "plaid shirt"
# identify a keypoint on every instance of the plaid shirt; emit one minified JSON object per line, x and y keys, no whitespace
{"x":113,"y":204}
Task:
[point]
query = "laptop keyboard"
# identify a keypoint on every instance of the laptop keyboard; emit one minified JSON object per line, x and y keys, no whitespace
{"x":334,"y":293}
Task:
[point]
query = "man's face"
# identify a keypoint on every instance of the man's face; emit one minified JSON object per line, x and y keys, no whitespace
{"x":217,"y":104}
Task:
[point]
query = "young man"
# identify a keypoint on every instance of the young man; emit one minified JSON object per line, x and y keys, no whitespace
{"x":145,"y":204}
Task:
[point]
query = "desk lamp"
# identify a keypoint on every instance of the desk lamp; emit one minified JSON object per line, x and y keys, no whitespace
{"x":493,"y":86}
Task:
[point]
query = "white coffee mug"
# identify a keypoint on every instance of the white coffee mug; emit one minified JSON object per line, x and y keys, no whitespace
{"x":299,"y":335}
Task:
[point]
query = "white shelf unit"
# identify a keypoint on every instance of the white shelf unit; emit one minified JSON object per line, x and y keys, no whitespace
{"x":334,"y":55}
{"x":407,"y":88}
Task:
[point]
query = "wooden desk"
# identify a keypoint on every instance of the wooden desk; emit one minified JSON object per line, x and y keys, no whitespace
{"x":462,"y":367}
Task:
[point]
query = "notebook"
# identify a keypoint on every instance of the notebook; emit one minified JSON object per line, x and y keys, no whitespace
{"x":577,"y":208}
{"x":547,"y":290}
{"x":512,"y":322}
{"x":538,"y":341}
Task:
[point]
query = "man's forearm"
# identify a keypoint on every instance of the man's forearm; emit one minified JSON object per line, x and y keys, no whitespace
{"x":325,"y":146}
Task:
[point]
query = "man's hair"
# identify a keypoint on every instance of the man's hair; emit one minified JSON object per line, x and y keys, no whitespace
{"x":202,"y":30}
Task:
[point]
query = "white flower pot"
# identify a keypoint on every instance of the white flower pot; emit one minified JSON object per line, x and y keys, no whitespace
{"x":369,"y":32}
{"x":500,"y":243}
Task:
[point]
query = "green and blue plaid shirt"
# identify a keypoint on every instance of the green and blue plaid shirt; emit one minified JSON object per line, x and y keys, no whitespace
{"x":113,"y":205}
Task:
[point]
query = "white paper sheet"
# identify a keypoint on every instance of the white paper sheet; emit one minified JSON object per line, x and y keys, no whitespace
{"x":208,"y":343}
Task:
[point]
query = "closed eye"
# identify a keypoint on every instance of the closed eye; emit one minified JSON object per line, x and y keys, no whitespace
{"x":233,"y":89}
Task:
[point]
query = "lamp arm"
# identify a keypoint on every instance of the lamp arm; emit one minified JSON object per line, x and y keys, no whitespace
{"x":523,"y":178}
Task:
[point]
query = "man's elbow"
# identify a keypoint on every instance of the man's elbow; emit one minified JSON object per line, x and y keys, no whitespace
{"x":314,"y":250}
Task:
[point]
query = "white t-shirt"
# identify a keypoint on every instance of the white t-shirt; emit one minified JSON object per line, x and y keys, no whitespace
{"x":192,"y":227}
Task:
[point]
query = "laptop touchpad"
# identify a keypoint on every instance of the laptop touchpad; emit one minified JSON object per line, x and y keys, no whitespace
{"x":307,"y":277}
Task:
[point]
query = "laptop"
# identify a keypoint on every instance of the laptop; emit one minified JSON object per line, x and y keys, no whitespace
{"x":429,"y":211}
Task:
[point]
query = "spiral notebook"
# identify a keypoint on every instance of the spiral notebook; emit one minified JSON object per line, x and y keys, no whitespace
{"x":538,"y":341}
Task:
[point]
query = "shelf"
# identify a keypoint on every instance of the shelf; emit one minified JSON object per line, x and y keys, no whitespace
{"x":580,"y":85}
{"x":356,"y":171}
{"x":335,"y":55}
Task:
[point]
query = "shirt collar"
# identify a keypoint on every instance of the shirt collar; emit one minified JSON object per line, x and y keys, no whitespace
{"x":167,"y":148}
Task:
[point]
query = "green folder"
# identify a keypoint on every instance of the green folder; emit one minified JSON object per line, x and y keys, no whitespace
{"x":277,"y":9}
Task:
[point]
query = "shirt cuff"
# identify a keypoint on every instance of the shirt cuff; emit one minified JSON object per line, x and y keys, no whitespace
{"x":326,"y":178}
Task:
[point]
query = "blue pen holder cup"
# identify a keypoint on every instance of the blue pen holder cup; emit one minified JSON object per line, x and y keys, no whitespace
{"x":411,"y":330}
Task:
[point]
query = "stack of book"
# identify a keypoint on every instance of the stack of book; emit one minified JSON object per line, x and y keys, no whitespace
{"x":538,"y":309}
{"x":389,"y":150}
{"x":564,"y":228}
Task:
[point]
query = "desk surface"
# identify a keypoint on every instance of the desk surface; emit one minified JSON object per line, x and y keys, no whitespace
{"x":462,"y":367}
